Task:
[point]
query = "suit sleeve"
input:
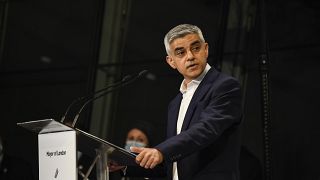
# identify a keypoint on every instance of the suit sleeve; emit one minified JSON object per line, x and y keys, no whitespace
{"x":220,"y":110}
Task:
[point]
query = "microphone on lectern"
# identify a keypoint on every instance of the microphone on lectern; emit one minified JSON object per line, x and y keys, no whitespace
{"x":114,"y":88}
{"x":77,"y":100}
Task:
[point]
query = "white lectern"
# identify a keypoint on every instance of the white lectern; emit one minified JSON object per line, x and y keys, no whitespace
{"x":58,"y":145}
{"x":56,"y":149}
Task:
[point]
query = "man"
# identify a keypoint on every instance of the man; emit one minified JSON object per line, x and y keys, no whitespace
{"x":203,"y":120}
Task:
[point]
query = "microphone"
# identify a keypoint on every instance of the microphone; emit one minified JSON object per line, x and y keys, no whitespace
{"x":116,"y":87}
{"x":126,"y":78}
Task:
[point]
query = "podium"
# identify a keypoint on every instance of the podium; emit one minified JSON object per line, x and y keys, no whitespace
{"x":58,"y":145}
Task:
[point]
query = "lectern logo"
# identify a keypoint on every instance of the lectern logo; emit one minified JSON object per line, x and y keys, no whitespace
{"x":56,"y":173}
{"x":56,"y":153}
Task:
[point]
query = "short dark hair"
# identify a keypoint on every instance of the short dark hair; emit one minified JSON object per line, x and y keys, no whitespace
{"x":181,"y":31}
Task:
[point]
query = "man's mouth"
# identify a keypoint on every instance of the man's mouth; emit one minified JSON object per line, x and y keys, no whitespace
{"x":191,"y":65}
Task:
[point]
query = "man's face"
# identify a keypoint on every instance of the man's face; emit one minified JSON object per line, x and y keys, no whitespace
{"x":188,"y":55}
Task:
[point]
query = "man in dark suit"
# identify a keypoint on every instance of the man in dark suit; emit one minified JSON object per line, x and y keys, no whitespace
{"x":203,"y":119}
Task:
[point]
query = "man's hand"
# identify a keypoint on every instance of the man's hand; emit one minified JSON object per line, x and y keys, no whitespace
{"x":147,"y":157}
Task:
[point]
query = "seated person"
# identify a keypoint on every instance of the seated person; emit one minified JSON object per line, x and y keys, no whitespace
{"x":139,"y":135}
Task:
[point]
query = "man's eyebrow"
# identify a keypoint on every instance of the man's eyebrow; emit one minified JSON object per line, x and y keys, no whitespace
{"x":195,"y":42}
{"x":192,"y":44}
{"x":178,"y":48}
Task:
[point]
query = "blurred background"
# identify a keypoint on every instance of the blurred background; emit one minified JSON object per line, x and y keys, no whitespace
{"x":52,"y":52}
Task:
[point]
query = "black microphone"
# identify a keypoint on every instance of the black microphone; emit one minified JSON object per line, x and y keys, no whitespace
{"x":77,"y":100}
{"x":116,"y":87}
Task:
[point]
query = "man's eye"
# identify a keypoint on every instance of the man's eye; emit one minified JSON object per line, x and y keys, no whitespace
{"x":179,"y":53}
{"x":196,"y":48}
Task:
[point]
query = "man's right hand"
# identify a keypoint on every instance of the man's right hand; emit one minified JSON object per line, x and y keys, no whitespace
{"x":147,"y":157}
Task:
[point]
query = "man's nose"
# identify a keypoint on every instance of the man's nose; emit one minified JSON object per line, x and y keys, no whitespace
{"x":190,"y":55}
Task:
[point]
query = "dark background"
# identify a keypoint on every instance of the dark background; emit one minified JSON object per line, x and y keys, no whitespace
{"x":50,"y":56}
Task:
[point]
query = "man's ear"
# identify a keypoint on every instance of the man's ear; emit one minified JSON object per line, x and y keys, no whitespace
{"x":206,"y":48}
{"x":171,"y":62}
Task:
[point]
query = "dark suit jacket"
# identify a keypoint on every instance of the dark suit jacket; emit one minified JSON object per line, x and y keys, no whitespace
{"x":209,"y":143}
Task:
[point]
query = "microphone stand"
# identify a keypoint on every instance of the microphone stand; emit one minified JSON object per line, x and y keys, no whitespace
{"x":116,"y":87}
{"x":126,"y":78}
{"x":101,"y":154}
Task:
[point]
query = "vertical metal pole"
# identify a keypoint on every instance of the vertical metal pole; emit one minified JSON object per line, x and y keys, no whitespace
{"x":102,"y":168}
{"x":4,"y":6}
{"x":265,"y":101}
{"x":265,"y":96}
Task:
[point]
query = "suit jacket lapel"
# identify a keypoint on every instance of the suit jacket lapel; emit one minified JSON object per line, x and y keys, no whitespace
{"x":173,"y":115}
{"x":202,"y":89}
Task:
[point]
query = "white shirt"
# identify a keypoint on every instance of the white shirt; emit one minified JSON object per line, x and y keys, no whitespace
{"x":187,"y":94}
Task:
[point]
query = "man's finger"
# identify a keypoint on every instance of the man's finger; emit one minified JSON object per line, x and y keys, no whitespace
{"x":140,"y":156}
{"x":154,"y":163}
{"x":136,"y":149}
{"x":149,"y":162}
{"x":144,"y":159}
